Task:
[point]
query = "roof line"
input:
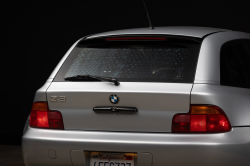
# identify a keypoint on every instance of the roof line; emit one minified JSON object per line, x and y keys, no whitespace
{"x":211,"y":34}
{"x":198,"y":32}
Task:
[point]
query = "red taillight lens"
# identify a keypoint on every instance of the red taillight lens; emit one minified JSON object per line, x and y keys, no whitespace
{"x":135,"y":38}
{"x":201,"y":119}
{"x":198,"y":123}
{"x":181,"y":123}
{"x":42,"y":117}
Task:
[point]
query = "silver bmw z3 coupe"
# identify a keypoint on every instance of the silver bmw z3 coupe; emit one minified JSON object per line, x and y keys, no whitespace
{"x":169,"y":96}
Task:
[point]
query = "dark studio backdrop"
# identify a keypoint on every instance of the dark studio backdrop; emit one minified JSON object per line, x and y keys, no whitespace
{"x":36,"y":34}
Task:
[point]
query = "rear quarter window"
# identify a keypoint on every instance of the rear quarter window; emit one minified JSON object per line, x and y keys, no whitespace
{"x":234,"y":64}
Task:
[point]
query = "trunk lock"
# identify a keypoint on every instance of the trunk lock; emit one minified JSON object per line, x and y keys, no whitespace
{"x":113,"y":109}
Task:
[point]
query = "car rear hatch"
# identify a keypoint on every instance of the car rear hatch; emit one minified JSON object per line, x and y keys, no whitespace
{"x":156,"y":77}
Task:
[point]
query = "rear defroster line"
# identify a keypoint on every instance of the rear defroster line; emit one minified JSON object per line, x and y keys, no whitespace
{"x":115,"y":109}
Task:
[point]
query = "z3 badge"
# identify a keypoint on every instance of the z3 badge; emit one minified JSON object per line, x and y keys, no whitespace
{"x":58,"y":98}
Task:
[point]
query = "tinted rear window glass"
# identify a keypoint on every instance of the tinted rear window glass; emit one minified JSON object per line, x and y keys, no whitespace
{"x":133,"y":61}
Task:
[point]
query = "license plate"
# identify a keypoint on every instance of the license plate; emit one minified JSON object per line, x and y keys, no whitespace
{"x":112,"y":159}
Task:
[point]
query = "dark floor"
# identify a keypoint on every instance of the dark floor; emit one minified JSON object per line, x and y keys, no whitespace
{"x":11,"y":155}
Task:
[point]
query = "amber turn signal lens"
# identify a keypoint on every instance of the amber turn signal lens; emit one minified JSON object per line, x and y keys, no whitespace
{"x":199,"y":109}
{"x":40,"y":106}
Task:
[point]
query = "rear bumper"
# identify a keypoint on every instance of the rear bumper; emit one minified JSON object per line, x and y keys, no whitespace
{"x":231,"y":148}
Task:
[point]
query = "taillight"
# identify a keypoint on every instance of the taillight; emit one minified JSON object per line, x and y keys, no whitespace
{"x":135,"y":38}
{"x":201,"y":119}
{"x":42,"y":117}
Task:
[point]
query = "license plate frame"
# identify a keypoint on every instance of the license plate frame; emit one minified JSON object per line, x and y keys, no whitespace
{"x":108,"y":158}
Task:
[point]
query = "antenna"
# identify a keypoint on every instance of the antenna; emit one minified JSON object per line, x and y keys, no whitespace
{"x":150,"y":24}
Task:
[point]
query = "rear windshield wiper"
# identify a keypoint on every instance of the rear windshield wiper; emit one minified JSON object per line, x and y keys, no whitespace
{"x":92,"y":78}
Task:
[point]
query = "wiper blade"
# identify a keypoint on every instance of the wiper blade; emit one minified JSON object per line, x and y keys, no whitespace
{"x":93,"y":78}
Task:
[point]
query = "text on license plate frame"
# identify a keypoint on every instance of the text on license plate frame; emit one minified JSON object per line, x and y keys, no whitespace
{"x":112,"y":159}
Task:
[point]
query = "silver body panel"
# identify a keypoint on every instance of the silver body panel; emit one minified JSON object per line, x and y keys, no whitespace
{"x":157,"y":102}
{"x":41,"y":93}
{"x":231,"y":148}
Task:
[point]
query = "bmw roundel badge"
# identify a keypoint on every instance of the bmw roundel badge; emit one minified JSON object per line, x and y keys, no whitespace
{"x":114,"y":99}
